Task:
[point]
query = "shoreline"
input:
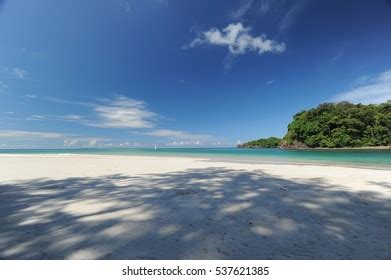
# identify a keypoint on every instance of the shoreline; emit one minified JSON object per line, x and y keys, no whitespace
{"x":380,"y":148}
{"x":370,"y":148}
{"x":226,"y":159}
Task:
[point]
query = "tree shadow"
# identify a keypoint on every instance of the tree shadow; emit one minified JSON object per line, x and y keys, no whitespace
{"x":386,"y":185}
{"x":210,"y":213}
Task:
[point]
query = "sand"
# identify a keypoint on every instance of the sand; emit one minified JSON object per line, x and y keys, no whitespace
{"x":133,"y":207}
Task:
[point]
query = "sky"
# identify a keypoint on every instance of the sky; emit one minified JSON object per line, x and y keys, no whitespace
{"x":139,"y":73}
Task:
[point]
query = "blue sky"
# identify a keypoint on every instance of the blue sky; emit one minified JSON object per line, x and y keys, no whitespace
{"x":126,"y":73}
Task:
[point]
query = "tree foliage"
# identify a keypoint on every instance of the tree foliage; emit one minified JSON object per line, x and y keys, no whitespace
{"x":271,"y":142}
{"x":336,"y":125}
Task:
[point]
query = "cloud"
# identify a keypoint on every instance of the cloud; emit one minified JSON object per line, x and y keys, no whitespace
{"x":20,"y":73}
{"x":68,"y":139}
{"x":63,"y":101}
{"x":371,"y":90}
{"x":69,"y":118}
{"x":70,"y":143}
{"x":7,"y":116}
{"x":227,"y":62}
{"x":162,"y":2}
{"x":183,"y":143}
{"x":30,"y":96}
{"x":17,"y":146}
{"x":2,"y":86}
{"x":198,"y":143}
{"x":125,"y":5}
{"x":288,"y":19}
{"x":175,"y":134}
{"x":124,"y":112}
{"x":30,"y":134}
{"x":93,"y":143}
{"x":128,"y":6}
{"x":242,"y":10}
{"x":128,"y":144}
{"x":16,"y":72}
{"x":264,"y":7}
{"x":269,"y":82}
{"x":290,"y":16}
{"x":85,"y":142}
{"x":118,"y":112}
{"x":238,"y":40}
{"x":252,"y":9}
{"x":336,"y":57}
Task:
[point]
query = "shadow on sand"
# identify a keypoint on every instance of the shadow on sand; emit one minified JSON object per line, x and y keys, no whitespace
{"x":212,"y":213}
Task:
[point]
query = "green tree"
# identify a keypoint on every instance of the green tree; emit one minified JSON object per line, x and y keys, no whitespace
{"x":336,"y":125}
{"x":271,"y":142}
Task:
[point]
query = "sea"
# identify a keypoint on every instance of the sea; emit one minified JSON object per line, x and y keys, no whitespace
{"x":341,"y":157}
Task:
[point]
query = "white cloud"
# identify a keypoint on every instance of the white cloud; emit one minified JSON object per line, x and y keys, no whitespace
{"x":162,"y":2}
{"x":242,"y":10}
{"x":7,"y":118}
{"x":63,"y":101}
{"x":19,"y":73}
{"x":269,"y":82}
{"x":93,"y":143}
{"x":124,"y":112}
{"x":29,"y":134}
{"x":30,"y":96}
{"x":69,"y":140}
{"x":128,"y":5}
{"x":125,"y":4}
{"x":264,"y":7}
{"x":126,"y":144}
{"x":251,"y":8}
{"x":14,"y":72}
{"x":179,"y":143}
{"x":85,"y":142}
{"x":289,"y":18}
{"x":129,"y":144}
{"x":17,"y":146}
{"x":119,"y":112}
{"x":336,"y":57}
{"x":69,"y":118}
{"x":70,"y":143}
{"x":374,"y":90}
{"x":176,"y":134}
{"x":188,"y":143}
{"x":2,"y":86}
{"x":238,"y":40}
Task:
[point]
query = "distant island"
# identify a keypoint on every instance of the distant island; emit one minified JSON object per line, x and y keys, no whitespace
{"x":271,"y":142}
{"x":334,"y":125}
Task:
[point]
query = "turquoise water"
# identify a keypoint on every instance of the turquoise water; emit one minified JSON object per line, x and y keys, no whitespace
{"x":372,"y":157}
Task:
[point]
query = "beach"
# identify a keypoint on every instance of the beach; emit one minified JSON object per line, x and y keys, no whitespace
{"x":70,"y":206}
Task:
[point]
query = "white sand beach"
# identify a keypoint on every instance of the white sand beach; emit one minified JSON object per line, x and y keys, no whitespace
{"x":133,"y":207}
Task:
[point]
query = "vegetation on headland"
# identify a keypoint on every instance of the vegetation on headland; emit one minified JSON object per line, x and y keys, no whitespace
{"x":338,"y":125}
{"x":271,"y":142}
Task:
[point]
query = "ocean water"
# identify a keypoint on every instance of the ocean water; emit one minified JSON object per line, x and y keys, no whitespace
{"x":351,"y":157}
